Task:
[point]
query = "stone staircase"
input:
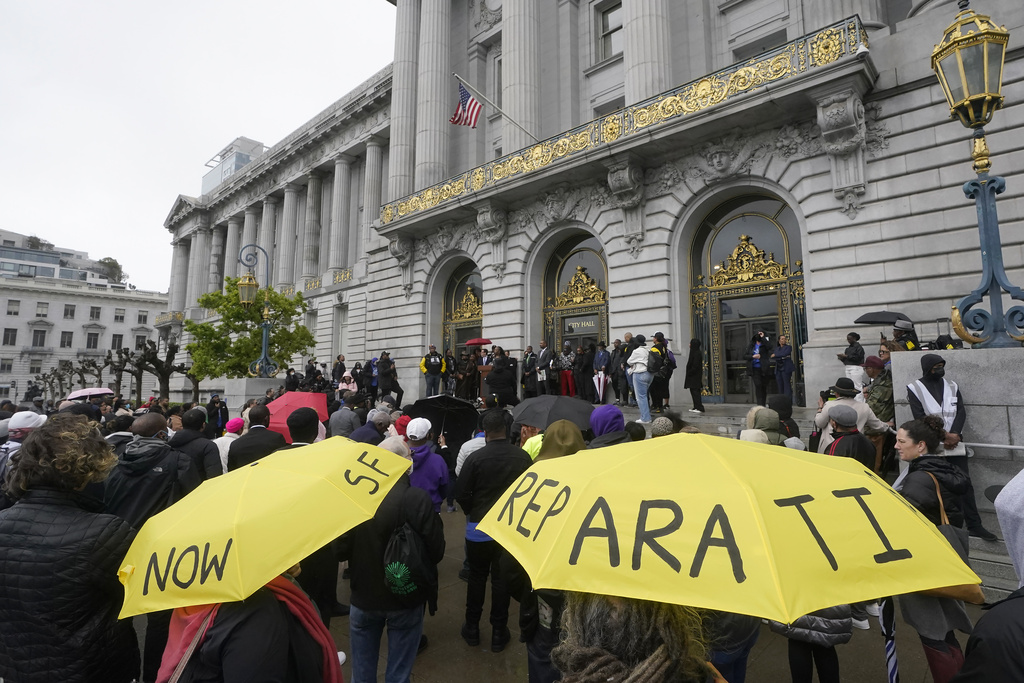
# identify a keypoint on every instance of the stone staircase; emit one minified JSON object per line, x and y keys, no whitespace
{"x":991,"y":562}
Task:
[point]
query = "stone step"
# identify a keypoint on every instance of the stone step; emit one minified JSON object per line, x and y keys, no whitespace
{"x":994,"y":547}
{"x":997,"y":589}
{"x":989,"y":569}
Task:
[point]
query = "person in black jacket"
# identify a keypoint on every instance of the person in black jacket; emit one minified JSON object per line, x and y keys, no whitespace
{"x":759,"y":367}
{"x":59,"y":593}
{"x":694,"y":377}
{"x":387,"y":376}
{"x":217,"y":416}
{"x":485,"y":475}
{"x":374,"y":606}
{"x":190,"y":439}
{"x":848,"y":442}
{"x":257,"y":443}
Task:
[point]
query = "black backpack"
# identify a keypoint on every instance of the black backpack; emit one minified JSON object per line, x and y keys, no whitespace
{"x":408,"y":572}
{"x":655,"y":361}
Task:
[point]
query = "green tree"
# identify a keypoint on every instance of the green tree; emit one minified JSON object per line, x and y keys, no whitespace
{"x":112,"y":269}
{"x":225,"y":347}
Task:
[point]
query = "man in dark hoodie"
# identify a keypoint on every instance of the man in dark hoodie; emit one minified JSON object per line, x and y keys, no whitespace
{"x":608,"y":426}
{"x":191,"y":440}
{"x":149,"y":477}
{"x":933,"y":394}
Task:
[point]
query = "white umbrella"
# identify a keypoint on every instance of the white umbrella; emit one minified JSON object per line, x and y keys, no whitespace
{"x":92,"y":391}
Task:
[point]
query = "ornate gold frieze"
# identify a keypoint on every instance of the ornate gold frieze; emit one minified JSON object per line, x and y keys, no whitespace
{"x":581,"y":290}
{"x":796,"y":57}
{"x":747,"y":263}
{"x":470,"y":308}
{"x":343,"y":275}
{"x":312,"y":284}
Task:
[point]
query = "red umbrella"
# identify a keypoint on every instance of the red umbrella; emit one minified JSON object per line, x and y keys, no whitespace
{"x":282,"y":407}
{"x":480,"y":341}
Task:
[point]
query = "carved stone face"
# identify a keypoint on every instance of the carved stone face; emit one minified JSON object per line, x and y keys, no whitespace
{"x":719,"y":160}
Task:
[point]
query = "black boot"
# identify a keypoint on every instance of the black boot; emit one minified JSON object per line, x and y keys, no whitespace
{"x":499,"y":638}
{"x":471,"y":634}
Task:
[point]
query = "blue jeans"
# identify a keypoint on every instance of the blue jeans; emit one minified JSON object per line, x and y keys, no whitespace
{"x":733,"y":665}
{"x":641,"y":384}
{"x":433,"y":384}
{"x":405,"y":626}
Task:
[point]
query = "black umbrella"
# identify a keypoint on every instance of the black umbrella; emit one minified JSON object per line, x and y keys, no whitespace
{"x":881,"y":318}
{"x":453,"y":417}
{"x":541,"y":411}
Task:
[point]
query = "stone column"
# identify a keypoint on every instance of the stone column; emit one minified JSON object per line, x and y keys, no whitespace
{"x":190,"y":274}
{"x":371,"y":191}
{"x":311,"y":242}
{"x":433,"y":96}
{"x":199,"y":266}
{"x":569,"y":64}
{"x":231,"y":247}
{"x":402,"y":165}
{"x":215,"y":282}
{"x":520,"y":73}
{"x":249,"y":226}
{"x":820,"y":15}
{"x":340,"y":208}
{"x":266,"y":240}
{"x":179,"y":276}
{"x":286,"y":236}
{"x":648,"y":48}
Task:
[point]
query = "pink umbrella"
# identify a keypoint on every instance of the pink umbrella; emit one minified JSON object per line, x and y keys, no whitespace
{"x":600,"y":383}
{"x":86,"y":393}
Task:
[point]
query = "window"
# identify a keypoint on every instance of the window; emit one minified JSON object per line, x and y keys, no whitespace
{"x":118,"y":315}
{"x":6,"y":364}
{"x":13,"y":307}
{"x":42,"y":309}
{"x":611,"y":35}
{"x":38,"y":338}
{"x":5,"y":392}
{"x":66,"y":339}
{"x":94,"y":313}
{"x":497,"y":82}
{"x":10,"y":336}
{"x":140,"y":342}
{"x":35,"y":366}
{"x":69,"y":311}
{"x":143,"y":317}
{"x":116,"y":341}
{"x":92,"y":340}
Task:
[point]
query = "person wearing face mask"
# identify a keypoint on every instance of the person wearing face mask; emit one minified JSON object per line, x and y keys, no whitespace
{"x":933,"y":394}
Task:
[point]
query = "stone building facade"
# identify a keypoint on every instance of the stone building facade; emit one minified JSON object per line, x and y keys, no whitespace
{"x":702,"y":169}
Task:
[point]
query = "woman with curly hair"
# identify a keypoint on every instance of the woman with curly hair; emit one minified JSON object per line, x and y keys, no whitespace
{"x":59,"y":593}
{"x":628,"y":641}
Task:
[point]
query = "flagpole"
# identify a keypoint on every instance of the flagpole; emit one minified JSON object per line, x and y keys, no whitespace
{"x":480,"y":96}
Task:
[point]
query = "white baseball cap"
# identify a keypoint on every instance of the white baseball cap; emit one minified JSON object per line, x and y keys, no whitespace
{"x":418,"y":429}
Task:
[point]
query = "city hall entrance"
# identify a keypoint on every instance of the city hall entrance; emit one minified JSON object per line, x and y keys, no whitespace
{"x":575,"y":290}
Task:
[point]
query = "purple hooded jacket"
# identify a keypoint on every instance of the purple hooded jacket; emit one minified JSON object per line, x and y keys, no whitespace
{"x":430,"y":473}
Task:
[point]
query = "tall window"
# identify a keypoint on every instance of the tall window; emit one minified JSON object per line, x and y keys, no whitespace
{"x":13,"y":307}
{"x":116,"y":341}
{"x":140,"y":342}
{"x":10,"y":336}
{"x":35,"y":366}
{"x":42,"y":309}
{"x":92,"y":340}
{"x":118,"y":315}
{"x":94,"y":313}
{"x":611,"y":35}
{"x":38,"y":338}
{"x":143,"y":317}
{"x":66,"y":339}
{"x":69,"y":311}
{"x":6,"y":364}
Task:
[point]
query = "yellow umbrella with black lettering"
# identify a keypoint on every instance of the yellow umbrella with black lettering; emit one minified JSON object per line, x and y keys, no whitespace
{"x":236,"y":532}
{"x":720,"y":524}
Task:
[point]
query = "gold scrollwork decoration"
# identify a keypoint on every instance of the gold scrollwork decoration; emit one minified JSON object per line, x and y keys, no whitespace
{"x":343,"y":275}
{"x":827,"y":47}
{"x":582,"y":289}
{"x":699,"y":301}
{"x":312,"y":284}
{"x":611,"y":129}
{"x":477,"y":179}
{"x":963,"y":332}
{"x":470,"y":308}
{"x":747,"y":263}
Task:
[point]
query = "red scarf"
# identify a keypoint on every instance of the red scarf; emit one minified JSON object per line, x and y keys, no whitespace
{"x":186,"y":621}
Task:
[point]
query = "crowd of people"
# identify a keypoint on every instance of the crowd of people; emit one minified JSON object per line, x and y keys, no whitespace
{"x":79,"y":483}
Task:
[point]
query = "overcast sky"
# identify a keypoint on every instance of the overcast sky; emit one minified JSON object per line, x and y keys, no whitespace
{"x":109,"y":109}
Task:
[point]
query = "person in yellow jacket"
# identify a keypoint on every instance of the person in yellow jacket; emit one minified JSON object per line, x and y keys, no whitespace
{"x":432,"y":366}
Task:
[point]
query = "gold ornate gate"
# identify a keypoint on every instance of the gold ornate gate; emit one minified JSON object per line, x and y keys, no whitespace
{"x":464,"y":321}
{"x":579,"y":312}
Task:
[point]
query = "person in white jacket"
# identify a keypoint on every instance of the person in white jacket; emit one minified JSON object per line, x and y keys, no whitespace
{"x":637,"y":363}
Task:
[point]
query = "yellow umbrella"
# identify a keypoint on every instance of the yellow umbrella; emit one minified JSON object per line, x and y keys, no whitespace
{"x":236,"y":532}
{"x":720,"y":524}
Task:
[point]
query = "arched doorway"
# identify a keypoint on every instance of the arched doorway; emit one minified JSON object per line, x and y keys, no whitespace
{"x":576,"y":293}
{"x":747,"y":278}
{"x":463,"y":314}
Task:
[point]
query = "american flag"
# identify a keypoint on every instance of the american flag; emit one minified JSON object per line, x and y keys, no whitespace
{"x":468,"y":110}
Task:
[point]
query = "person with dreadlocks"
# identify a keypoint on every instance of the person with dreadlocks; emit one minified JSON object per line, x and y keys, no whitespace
{"x":608,"y":638}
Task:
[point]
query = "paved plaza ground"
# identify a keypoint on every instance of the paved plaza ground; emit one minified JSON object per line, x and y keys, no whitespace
{"x":448,"y":658}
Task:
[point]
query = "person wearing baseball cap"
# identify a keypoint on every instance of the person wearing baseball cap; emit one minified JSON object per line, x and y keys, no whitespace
{"x":847,"y":441}
{"x":429,"y":470}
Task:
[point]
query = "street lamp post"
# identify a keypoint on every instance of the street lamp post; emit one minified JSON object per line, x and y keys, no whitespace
{"x":247,"y":289}
{"x":968,"y":62}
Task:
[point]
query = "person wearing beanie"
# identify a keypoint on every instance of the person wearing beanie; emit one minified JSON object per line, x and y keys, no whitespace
{"x":562,"y":437}
{"x":232,"y":430}
{"x":608,"y":426}
{"x":934,"y":394}
{"x":845,"y":392}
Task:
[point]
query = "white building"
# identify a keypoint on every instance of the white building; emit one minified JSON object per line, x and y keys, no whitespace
{"x":54,"y":310}
{"x":696,"y":168}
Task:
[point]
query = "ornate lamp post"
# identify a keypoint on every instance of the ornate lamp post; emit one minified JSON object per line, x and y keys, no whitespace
{"x":968,"y":62}
{"x":247,"y":289}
